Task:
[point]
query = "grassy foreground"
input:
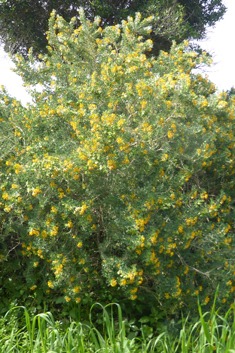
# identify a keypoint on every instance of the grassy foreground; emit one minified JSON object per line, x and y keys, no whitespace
{"x":42,"y":334}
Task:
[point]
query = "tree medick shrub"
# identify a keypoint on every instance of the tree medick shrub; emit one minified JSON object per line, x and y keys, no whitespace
{"x":121,"y":172}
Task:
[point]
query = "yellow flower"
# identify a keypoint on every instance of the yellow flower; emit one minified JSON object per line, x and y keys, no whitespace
{"x":165,"y":157}
{"x":179,"y":291}
{"x":83,"y":209}
{"x":5,"y":196}
{"x":111,"y":164}
{"x":77,"y":300}
{"x":204,"y":103}
{"x":36,"y":191}
{"x":222,"y":104}
{"x":92,"y":107}
{"x":125,"y":161}
{"x":120,"y":122}
{"x":119,"y":140}
{"x":207,"y":299}
{"x":70,"y":224}
{"x":49,"y":283}
{"x":34,"y":232}
{"x":133,"y":296}
{"x":67,"y":298}
{"x":33,"y":287}
{"x":76,"y":289}
{"x":44,"y":234}
{"x":170,"y":134}
{"x":143,"y":104}
{"x":40,"y":253}
{"x":54,"y":230}
{"x":53,"y":209}
{"x":180,"y":229}
{"x":113,"y":282}
{"x":123,"y":282}
{"x":89,"y":218}
{"x":79,"y":245}
{"x":52,"y":183}
{"x":223,"y":199}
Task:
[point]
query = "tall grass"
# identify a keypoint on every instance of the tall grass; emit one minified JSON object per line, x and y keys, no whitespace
{"x":41,"y":334}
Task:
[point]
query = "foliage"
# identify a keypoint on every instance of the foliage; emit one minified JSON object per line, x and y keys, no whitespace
{"x":24,"y":23}
{"x":118,"y":181}
{"x":212,"y":332}
{"x":201,"y":14}
{"x":42,"y":333}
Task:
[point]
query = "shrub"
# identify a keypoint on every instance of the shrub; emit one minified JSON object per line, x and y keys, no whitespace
{"x":120,"y":174}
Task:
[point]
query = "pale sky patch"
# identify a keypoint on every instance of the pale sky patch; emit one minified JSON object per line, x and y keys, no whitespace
{"x":220,"y":43}
{"x":11,"y":80}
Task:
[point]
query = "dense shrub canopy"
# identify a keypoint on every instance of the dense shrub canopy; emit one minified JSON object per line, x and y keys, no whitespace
{"x":120,"y":175}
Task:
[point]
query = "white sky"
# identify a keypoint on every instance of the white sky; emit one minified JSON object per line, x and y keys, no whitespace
{"x":219,"y":42}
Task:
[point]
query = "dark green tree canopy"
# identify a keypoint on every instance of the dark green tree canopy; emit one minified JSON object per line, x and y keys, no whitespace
{"x":24,"y":23}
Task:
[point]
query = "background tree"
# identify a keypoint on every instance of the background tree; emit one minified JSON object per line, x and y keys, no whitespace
{"x":24,"y":23}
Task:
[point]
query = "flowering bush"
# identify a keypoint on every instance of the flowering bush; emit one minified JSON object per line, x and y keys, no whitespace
{"x":121,"y":173}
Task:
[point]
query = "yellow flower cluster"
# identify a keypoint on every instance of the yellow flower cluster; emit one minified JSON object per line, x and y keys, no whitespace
{"x":50,"y":284}
{"x":36,"y":191}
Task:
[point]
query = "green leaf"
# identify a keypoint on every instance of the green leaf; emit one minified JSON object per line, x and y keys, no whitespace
{"x":144,"y":319}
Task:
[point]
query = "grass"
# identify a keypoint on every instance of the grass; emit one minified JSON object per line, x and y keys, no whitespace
{"x":41,"y":334}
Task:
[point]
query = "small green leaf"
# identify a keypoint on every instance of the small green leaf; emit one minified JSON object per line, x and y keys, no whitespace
{"x":144,"y":319}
